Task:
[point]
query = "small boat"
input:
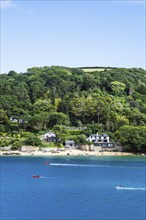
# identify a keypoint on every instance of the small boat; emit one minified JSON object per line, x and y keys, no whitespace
{"x":35,"y":176}
{"x":46,"y":163}
{"x":119,"y":187}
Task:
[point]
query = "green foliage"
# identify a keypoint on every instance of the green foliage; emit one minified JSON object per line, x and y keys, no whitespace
{"x":117,"y":87}
{"x":16,"y":144}
{"x":39,"y":121}
{"x":2,"y":128}
{"x":32,"y":140}
{"x":74,"y":132}
{"x":46,"y":97}
{"x":42,"y":105}
{"x":58,"y":118}
{"x":81,"y":139}
{"x":133,"y":138}
{"x":3,"y":143}
{"x":48,"y":144}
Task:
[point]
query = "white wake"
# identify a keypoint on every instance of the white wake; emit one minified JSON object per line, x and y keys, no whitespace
{"x":77,"y":165}
{"x":129,"y":188}
{"x":88,"y":165}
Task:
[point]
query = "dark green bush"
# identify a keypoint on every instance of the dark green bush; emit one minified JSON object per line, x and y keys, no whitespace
{"x":32,"y":140}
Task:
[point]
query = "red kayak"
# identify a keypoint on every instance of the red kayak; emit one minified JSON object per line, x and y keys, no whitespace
{"x":35,"y":176}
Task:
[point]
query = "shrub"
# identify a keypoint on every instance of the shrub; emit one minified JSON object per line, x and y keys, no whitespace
{"x":2,"y":143}
{"x":133,"y":138}
{"x":81,"y":139}
{"x":48,"y":144}
{"x":33,"y":140}
{"x":74,"y":132}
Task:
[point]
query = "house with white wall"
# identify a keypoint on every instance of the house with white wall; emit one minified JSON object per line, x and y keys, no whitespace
{"x":101,"y":140}
{"x":50,"y":137}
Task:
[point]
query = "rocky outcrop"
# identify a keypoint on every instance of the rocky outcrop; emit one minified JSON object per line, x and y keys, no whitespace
{"x":5,"y":148}
{"x":91,"y":147}
{"x":29,"y":148}
{"x":9,"y":153}
{"x":45,"y":149}
{"x":86,"y":147}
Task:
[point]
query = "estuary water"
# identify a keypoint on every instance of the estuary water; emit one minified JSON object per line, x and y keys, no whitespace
{"x":74,"y":188}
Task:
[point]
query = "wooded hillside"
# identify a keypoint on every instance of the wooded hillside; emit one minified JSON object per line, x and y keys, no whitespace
{"x":45,"y":97}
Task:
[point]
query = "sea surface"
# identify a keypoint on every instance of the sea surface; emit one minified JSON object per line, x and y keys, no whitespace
{"x":73,"y":188}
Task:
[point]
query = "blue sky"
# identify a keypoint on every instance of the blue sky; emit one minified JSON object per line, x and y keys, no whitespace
{"x":72,"y":33}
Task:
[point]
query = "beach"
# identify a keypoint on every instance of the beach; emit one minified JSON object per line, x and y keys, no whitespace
{"x":65,"y":152}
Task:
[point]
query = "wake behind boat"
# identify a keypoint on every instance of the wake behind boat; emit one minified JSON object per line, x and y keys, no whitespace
{"x":130,"y":188}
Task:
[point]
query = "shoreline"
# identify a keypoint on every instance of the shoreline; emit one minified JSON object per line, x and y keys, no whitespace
{"x":66,"y":152}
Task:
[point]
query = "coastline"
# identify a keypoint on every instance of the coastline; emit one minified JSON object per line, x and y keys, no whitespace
{"x":66,"y":152}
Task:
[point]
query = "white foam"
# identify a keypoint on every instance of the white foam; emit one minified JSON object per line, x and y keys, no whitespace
{"x":76,"y":165}
{"x":88,"y":165}
{"x":43,"y":177}
{"x":129,"y":188}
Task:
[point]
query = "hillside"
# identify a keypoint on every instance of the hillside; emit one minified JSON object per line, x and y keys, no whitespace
{"x":45,"y":97}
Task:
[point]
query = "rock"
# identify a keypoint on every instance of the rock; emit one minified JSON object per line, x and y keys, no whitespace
{"x":27,"y":149}
{"x":12,"y":153}
{"x":84,"y":147}
{"x":91,"y":147}
{"x":7,"y":153}
{"x":5,"y":148}
{"x":45,"y":149}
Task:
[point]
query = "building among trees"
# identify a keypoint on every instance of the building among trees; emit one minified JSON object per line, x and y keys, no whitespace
{"x":101,"y":140}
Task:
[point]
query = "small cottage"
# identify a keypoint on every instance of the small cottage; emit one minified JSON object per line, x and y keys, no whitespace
{"x":69,"y":144}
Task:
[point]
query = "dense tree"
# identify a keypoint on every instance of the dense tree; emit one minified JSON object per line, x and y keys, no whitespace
{"x":44,"y":97}
{"x":57,"y":118}
{"x":133,"y":138}
{"x":117,"y":87}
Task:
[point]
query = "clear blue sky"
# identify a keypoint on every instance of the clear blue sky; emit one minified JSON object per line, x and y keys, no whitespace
{"x":72,"y":33}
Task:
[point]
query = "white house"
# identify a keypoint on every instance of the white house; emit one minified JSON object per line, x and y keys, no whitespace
{"x":101,"y":140}
{"x":50,"y":136}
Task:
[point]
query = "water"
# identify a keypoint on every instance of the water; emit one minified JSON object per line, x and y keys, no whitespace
{"x":73,"y":188}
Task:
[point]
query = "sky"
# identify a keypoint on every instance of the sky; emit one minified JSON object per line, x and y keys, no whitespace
{"x":72,"y":34}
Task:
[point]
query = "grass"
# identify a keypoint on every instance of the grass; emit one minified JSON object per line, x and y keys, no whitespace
{"x":92,"y":70}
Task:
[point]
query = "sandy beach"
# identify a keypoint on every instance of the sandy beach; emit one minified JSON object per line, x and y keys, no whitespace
{"x":66,"y":152}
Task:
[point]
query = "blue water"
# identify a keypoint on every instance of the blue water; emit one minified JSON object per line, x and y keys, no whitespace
{"x":73,"y":188}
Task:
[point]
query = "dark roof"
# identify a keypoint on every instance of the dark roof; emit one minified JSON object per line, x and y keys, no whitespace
{"x":105,"y":135}
{"x":93,"y":135}
{"x":99,"y":135}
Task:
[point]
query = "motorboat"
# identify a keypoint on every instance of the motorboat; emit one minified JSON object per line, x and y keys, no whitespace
{"x":46,"y":163}
{"x":119,"y":187}
{"x":36,"y":176}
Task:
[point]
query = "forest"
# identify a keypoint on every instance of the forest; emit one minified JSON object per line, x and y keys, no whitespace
{"x":112,"y":101}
